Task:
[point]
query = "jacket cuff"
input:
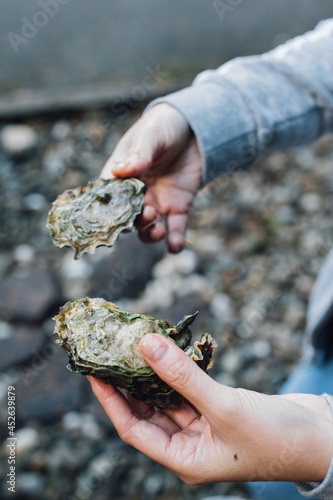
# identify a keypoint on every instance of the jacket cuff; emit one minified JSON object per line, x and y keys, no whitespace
{"x":234,"y":144}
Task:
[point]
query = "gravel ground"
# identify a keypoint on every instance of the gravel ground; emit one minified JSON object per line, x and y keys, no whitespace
{"x":256,"y":242}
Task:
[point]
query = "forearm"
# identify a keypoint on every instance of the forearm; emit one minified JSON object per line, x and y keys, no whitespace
{"x":250,"y":105}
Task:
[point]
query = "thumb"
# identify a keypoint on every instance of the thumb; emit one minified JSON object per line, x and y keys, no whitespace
{"x":133,"y":166}
{"x":179,"y":371}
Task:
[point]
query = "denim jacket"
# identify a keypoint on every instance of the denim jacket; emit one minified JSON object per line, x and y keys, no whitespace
{"x":257,"y":104}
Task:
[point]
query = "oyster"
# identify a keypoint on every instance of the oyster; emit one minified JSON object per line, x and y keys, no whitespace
{"x":103,"y":341}
{"x":85,"y":218}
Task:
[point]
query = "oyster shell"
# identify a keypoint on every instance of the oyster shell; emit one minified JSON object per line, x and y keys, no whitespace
{"x":85,"y":218}
{"x":103,"y":341}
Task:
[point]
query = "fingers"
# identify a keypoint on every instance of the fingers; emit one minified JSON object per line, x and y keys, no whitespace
{"x":133,"y":166}
{"x":147,"y":216}
{"x":176,"y":226}
{"x":150,"y":226}
{"x":114,"y":403}
{"x":179,"y":371}
{"x":152,"y":233}
{"x":149,"y":438}
{"x":183,"y":416}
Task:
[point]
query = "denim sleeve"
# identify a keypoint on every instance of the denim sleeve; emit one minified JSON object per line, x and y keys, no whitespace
{"x":252,"y":105}
{"x":323,"y":490}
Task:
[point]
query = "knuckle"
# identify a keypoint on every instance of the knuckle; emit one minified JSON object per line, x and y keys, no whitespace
{"x":180,"y":374}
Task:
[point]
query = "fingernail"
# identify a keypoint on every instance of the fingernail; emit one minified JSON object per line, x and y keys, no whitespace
{"x":176,"y":242}
{"x":153,"y":347}
{"x":119,"y":166}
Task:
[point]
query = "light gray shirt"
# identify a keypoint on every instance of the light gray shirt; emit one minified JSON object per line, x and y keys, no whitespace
{"x":256,"y":104}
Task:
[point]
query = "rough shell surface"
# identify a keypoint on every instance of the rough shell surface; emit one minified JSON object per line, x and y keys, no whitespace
{"x":103,"y":341}
{"x":85,"y":218}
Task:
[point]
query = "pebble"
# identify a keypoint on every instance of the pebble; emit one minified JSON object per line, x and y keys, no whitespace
{"x":295,"y":315}
{"x":153,"y":485}
{"x":261,"y":348}
{"x":60,"y":131}
{"x":183,"y":263}
{"x":64,"y":456}
{"x":72,"y":269}
{"x":83,"y":424}
{"x":245,"y":239}
{"x":27,"y":440}
{"x":24,"y":253}
{"x":18,"y":140}
{"x":158,"y":293}
{"x":197,"y":284}
{"x":31,"y":483}
{"x":6,"y":330}
{"x":26,"y":295}
{"x":310,"y":202}
{"x":221,"y":306}
{"x":231,"y":362}
{"x":305,"y":157}
{"x":54,"y":165}
{"x":35,"y":202}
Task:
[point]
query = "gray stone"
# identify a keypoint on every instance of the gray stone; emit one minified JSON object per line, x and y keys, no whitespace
{"x":221,"y":306}
{"x":27,"y":440}
{"x":27,"y":294}
{"x":35,"y":202}
{"x":60,"y":130}
{"x":45,"y":388}
{"x":82,"y":424}
{"x":310,"y":202}
{"x":183,"y":263}
{"x":18,"y":140}
{"x":21,"y":344}
{"x":24,"y":253}
{"x":54,"y":164}
{"x":125,"y":270}
{"x":30,"y":483}
{"x":6,"y":331}
{"x":153,"y":485}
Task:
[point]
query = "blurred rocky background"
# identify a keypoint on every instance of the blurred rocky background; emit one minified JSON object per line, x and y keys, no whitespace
{"x":256,"y":238}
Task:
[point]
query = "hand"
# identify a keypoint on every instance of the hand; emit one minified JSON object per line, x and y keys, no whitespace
{"x":221,"y":433}
{"x":161,"y":150}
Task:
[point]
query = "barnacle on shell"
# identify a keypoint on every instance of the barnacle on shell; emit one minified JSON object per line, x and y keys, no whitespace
{"x":103,"y":341}
{"x":85,"y":218}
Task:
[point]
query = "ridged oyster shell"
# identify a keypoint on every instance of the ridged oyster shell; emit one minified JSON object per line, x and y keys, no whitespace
{"x":85,"y":218}
{"x":103,"y":341}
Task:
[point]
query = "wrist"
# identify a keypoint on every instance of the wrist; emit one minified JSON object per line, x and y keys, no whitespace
{"x":311,"y":445}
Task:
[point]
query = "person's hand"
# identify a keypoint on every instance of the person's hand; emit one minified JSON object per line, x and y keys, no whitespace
{"x":221,"y":433}
{"x":161,"y":150}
